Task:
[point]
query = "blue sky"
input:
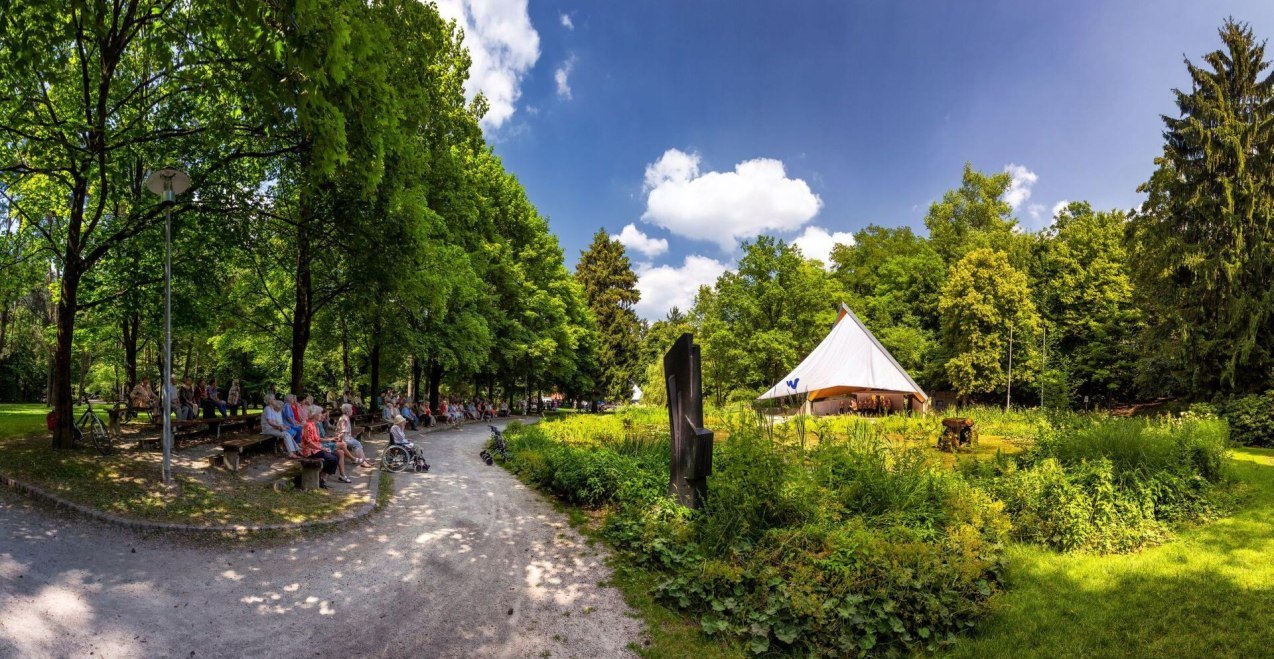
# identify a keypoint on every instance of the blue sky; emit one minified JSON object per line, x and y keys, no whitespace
{"x":702,"y":122}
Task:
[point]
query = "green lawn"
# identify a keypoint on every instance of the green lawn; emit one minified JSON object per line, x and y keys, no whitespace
{"x":1209,"y":593}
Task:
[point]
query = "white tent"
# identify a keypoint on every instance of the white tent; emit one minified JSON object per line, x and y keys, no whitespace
{"x":636,"y":394}
{"x":849,"y":361}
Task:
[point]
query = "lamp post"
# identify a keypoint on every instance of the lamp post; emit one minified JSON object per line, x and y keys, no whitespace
{"x":168,"y":183}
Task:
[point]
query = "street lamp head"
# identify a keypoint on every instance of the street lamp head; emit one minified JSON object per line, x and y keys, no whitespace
{"x":168,"y":182}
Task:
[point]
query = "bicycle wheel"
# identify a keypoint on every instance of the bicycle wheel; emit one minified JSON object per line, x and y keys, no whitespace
{"x":100,"y":439}
{"x":394,"y":458}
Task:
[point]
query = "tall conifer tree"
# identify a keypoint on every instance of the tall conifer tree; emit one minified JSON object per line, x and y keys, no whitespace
{"x":610,"y":288}
{"x":1203,"y":243}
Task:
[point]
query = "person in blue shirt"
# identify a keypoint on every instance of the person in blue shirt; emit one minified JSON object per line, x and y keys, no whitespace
{"x":292,"y":417}
{"x":405,"y":410}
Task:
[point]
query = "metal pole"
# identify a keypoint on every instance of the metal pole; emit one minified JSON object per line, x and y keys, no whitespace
{"x":168,"y":331}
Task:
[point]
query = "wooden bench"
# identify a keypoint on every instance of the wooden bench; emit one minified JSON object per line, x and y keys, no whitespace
{"x":232,"y":450}
{"x":311,"y":470}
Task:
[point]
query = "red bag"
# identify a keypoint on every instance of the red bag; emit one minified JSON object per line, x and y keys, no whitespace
{"x":51,"y":420}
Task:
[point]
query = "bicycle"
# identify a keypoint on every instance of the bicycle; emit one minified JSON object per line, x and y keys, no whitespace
{"x":90,"y":429}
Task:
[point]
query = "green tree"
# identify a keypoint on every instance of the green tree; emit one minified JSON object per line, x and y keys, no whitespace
{"x":892,"y":278}
{"x":761,"y":319}
{"x":975,"y":216}
{"x":1203,"y":243}
{"x":610,"y":289}
{"x":985,"y":303}
{"x":1085,"y":294}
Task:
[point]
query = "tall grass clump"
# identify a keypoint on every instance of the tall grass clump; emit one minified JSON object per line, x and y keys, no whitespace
{"x":1110,"y":485}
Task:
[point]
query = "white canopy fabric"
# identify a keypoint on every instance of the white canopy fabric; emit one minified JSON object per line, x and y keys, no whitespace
{"x":849,"y":360}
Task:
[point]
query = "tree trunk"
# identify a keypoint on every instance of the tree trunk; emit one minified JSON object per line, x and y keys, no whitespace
{"x":376,"y":375}
{"x":302,"y":312}
{"x":4,"y":325}
{"x":435,"y":384}
{"x":346,"y":371}
{"x":130,"y":326}
{"x":413,"y":387}
{"x":63,"y":405}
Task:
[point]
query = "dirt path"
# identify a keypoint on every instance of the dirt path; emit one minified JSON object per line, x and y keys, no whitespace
{"x":466,"y":561}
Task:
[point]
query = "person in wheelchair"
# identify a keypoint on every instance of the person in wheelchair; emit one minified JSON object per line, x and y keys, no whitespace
{"x":398,"y":438}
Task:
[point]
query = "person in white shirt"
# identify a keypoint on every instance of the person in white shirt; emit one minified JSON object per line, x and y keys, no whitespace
{"x":272,"y":424}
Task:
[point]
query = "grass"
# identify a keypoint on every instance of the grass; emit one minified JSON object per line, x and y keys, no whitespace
{"x":126,"y":483}
{"x":1209,"y":592}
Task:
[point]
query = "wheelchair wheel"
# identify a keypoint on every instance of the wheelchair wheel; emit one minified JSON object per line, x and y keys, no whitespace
{"x":395,"y":458}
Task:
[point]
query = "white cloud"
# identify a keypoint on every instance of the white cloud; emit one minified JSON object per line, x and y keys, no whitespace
{"x":1035,"y":211}
{"x":633,"y":238}
{"x":724,"y":207}
{"x":562,"y":77}
{"x":503,"y":46}
{"x":1020,"y":189}
{"x":567,"y":22}
{"x":1058,"y":208}
{"x":666,"y":286}
{"x":817,"y":243}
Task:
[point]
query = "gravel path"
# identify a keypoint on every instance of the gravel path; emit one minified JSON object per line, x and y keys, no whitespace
{"x":465,"y":562}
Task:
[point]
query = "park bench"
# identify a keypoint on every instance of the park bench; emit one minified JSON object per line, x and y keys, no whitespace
{"x":232,"y":450}
{"x":214,"y":425}
{"x":311,"y":468}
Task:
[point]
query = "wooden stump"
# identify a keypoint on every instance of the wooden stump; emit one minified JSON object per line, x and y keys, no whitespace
{"x":311,"y":468}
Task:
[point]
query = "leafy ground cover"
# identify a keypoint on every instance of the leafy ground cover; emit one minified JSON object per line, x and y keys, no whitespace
{"x":866,"y":540}
{"x":126,"y":482}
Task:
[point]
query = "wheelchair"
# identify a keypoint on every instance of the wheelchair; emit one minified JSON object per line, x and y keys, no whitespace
{"x":398,"y":458}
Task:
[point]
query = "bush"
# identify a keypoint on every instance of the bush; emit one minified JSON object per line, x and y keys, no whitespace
{"x":1111,"y":485}
{"x":1251,"y":419}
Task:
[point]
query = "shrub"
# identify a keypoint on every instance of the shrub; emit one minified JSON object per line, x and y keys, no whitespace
{"x":1251,"y":419}
{"x":1111,"y":485}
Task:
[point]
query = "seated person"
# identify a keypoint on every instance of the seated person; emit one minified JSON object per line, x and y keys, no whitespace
{"x":425,"y":415}
{"x":311,"y":447}
{"x":272,"y":424}
{"x":186,"y":397}
{"x":345,"y":430}
{"x":406,"y":413}
{"x":141,"y":395}
{"x":388,"y":412}
{"x":293,"y":416}
{"x":214,"y":397}
{"x":234,"y":399}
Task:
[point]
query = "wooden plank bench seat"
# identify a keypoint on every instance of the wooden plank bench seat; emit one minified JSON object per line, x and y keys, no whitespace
{"x":232,"y":450}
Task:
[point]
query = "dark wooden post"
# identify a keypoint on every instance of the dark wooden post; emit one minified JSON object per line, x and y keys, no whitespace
{"x":691,"y":442}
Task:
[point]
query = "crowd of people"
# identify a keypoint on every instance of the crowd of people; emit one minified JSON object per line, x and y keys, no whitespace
{"x":190,"y":398}
{"x":450,"y":410}
{"x":307,"y":429}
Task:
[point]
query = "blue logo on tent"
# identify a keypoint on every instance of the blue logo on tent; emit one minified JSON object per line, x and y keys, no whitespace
{"x":791,"y":384}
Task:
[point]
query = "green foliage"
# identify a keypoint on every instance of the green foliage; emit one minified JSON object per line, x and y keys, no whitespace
{"x":761,"y":318}
{"x":984,"y":300}
{"x":1110,"y":485}
{"x":610,"y":289}
{"x":1202,"y":242}
{"x":1251,"y":419}
{"x":865,"y":548}
{"x":1085,"y":292}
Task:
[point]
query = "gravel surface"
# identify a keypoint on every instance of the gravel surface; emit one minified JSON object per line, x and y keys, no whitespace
{"x":465,"y":562}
